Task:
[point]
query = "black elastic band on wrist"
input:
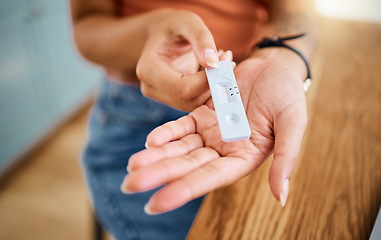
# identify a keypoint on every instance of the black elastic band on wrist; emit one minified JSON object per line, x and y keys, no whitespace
{"x":279,"y":42}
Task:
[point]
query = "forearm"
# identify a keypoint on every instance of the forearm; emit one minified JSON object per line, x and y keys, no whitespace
{"x":291,"y":17}
{"x":287,"y":18}
{"x":111,"y":41}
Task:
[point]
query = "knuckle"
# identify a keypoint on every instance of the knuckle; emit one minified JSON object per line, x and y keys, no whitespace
{"x":215,"y":171}
{"x":191,"y":19}
{"x":144,"y":66}
{"x":193,"y":161}
{"x":139,"y":71}
{"x":188,"y":15}
{"x":185,"y":93}
{"x":145,"y":90}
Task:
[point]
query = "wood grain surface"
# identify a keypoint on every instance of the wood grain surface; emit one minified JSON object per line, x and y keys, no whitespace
{"x":335,"y":191}
{"x":46,"y":198}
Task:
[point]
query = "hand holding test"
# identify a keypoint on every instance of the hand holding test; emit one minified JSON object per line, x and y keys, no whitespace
{"x":227,"y":102}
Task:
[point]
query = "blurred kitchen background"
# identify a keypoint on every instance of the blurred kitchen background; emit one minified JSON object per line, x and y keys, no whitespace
{"x":46,"y":91}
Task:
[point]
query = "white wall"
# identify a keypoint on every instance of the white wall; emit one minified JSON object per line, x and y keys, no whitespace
{"x":358,"y":10}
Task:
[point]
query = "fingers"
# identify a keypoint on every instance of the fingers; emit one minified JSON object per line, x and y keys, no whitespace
{"x":171,"y":131}
{"x":184,"y":92}
{"x":212,"y":175}
{"x":169,"y":61}
{"x":170,"y":150}
{"x":162,"y":172}
{"x":189,"y":90}
{"x":225,"y":55}
{"x":289,"y":129}
{"x":173,"y":83}
{"x":194,"y":30}
{"x":164,"y":67}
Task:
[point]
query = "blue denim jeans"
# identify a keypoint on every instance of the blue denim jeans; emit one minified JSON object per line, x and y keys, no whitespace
{"x":119,"y":123}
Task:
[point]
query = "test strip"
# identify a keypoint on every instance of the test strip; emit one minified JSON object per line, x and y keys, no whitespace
{"x":230,"y":112}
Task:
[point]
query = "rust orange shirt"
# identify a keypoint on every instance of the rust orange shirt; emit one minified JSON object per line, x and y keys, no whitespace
{"x":233,"y":23}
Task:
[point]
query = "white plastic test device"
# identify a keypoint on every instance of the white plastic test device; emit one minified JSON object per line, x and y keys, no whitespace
{"x":227,"y":101}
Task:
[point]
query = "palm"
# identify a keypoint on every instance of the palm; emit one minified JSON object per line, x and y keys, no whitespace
{"x":198,"y":161}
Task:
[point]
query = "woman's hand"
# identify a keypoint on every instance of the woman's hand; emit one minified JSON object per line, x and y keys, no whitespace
{"x":164,"y":47}
{"x":168,"y":68}
{"x":189,"y":158}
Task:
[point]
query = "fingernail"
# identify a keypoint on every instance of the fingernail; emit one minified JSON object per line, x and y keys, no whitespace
{"x":211,"y":57}
{"x":148,"y":210}
{"x":123,"y":189}
{"x":234,"y":64}
{"x":229,"y":53}
{"x":129,"y":168}
{"x":284,"y":193}
{"x":146,"y":145}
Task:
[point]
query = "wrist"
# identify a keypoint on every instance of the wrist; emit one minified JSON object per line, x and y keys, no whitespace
{"x":284,"y":57}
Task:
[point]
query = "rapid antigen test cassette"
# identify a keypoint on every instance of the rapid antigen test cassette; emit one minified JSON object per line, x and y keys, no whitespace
{"x":227,"y":101}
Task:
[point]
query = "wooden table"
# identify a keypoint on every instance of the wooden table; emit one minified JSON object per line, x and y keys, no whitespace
{"x":335,"y":191}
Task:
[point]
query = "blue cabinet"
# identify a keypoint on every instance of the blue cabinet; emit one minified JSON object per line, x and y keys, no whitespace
{"x":42,"y":78}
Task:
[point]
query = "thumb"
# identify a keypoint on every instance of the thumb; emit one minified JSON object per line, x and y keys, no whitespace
{"x":289,"y":129}
{"x":194,"y":30}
